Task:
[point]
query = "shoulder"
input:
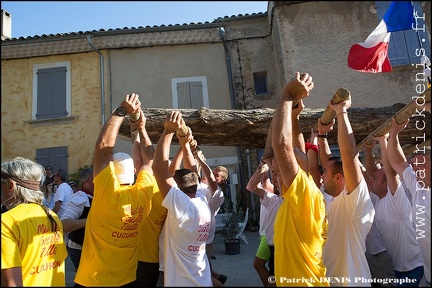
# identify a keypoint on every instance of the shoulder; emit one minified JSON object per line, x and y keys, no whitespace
{"x":79,"y":197}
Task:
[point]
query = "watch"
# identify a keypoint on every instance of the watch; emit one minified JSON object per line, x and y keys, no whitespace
{"x":120,"y":111}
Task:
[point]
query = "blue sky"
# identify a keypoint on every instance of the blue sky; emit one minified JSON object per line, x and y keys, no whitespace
{"x":30,"y":18}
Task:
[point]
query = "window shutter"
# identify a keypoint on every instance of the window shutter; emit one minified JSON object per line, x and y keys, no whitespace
{"x":44,"y":102}
{"x":51,"y":93}
{"x":196,"y":94}
{"x":57,"y":157}
{"x":59,"y":92}
{"x":403,"y":44}
{"x":414,"y":37}
{"x":183,"y":95}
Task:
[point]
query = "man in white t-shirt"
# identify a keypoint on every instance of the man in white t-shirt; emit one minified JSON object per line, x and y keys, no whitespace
{"x":350,"y":212}
{"x":379,"y":260}
{"x":394,"y":220}
{"x":271,"y":201}
{"x":63,"y":194}
{"x":417,"y":178}
{"x":215,"y":197}
{"x":188,"y":221}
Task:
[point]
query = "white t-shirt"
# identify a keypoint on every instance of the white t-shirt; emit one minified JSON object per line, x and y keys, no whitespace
{"x":75,"y":209}
{"x":272,"y":203}
{"x":393,"y":219}
{"x":215,"y":203}
{"x":374,"y":242}
{"x":421,"y":216}
{"x":350,"y":218}
{"x":185,"y":234}
{"x":161,"y":248}
{"x":64,"y":193}
{"x":263,"y":212}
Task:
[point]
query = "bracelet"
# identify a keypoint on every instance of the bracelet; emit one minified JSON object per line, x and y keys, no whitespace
{"x":309,"y":146}
{"x":341,"y":113}
{"x":322,"y":136}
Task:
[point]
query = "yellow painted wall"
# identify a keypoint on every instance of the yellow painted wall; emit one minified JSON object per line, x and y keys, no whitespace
{"x":19,"y":138}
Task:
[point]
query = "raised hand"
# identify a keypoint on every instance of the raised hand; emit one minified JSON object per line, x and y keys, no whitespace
{"x":299,"y":87}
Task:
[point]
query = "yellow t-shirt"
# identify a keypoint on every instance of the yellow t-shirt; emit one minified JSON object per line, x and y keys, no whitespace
{"x":299,"y":235}
{"x":109,"y":254}
{"x":27,"y":242}
{"x":148,"y":243}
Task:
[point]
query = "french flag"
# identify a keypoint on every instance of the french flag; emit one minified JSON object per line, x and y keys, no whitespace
{"x":372,"y":55}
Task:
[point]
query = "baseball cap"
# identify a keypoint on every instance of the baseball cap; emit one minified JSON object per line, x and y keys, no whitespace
{"x":124,"y":168}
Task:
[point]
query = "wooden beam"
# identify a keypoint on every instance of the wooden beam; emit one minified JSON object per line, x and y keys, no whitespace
{"x":249,"y":128}
{"x":401,"y":116}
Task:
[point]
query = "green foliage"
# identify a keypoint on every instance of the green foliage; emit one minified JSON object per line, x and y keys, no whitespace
{"x":233,"y":221}
{"x":75,"y":177}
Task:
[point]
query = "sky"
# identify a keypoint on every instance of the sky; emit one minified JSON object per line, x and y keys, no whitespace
{"x":30,"y":18}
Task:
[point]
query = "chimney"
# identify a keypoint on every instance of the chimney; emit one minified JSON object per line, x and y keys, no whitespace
{"x":6,"y":25}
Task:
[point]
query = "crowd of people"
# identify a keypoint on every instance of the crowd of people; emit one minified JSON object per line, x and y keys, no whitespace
{"x":324,"y":221}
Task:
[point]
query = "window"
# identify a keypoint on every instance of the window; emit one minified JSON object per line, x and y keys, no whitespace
{"x":51,"y":90}
{"x":260,"y":82}
{"x":403,"y":44}
{"x":56,"y":157}
{"x":190,"y":93}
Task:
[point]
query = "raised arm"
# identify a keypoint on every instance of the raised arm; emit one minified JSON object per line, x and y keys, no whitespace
{"x":347,"y":146}
{"x":282,"y":131}
{"x":136,"y":149}
{"x":188,"y":157}
{"x":104,"y":147}
{"x":323,"y":146}
{"x":395,"y":153}
{"x":257,"y":178}
{"x":298,"y":139}
{"x":370,"y":166}
{"x":145,"y":145}
{"x":160,"y":165}
{"x":391,"y":176}
{"x":211,"y":180}
{"x":176,"y":162}
{"x":313,"y":157}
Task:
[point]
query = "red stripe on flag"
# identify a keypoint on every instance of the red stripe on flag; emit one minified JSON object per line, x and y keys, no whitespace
{"x":372,"y":60}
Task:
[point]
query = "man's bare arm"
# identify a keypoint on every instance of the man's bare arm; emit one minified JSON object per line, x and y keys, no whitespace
{"x":347,"y":146}
{"x":104,"y":147}
{"x":160,"y":165}
{"x":282,"y":132}
{"x":394,"y":150}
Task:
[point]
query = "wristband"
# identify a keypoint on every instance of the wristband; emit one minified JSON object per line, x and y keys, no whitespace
{"x":342,"y":113}
{"x":310,"y":146}
{"x":322,"y":136}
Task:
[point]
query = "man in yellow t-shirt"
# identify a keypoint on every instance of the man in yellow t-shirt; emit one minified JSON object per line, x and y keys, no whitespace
{"x":33,"y":252}
{"x":109,"y":255}
{"x":300,"y":225}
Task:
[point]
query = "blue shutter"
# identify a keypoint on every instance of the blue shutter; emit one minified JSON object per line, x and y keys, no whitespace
{"x":51,"y":93}
{"x":44,"y":102}
{"x":403,"y":44}
{"x":183,"y":95}
{"x":57,"y":157}
{"x":196,"y":94}
{"x":414,"y":37}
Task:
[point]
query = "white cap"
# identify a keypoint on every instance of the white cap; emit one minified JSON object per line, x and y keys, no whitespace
{"x":124,"y":168}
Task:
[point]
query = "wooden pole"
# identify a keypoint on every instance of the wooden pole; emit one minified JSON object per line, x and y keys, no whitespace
{"x":401,"y":116}
{"x":329,"y":114}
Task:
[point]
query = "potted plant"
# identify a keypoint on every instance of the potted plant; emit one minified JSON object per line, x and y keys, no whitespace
{"x":233,"y":225}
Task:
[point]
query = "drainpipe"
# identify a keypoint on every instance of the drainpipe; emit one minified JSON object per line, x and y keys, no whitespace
{"x":249,"y":175}
{"x":231,"y":89}
{"x":101,"y":76}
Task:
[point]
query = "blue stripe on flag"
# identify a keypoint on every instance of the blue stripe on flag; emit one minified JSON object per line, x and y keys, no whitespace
{"x":399,"y":16}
